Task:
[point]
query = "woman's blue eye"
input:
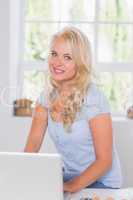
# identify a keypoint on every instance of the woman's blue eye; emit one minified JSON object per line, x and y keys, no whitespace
{"x":53,"y":54}
{"x":68,"y":58}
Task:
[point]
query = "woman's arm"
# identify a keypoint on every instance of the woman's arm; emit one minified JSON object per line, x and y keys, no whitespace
{"x":38,"y":129}
{"x":101,"y":128}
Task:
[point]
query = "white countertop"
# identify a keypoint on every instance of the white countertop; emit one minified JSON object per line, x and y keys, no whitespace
{"x":102,"y":194}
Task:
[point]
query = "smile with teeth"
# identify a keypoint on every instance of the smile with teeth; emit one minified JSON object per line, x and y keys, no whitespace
{"x":58,"y":71}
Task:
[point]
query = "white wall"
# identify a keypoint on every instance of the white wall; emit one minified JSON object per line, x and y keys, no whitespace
{"x":4,"y":50}
{"x":123,"y":130}
{"x":14,"y":130}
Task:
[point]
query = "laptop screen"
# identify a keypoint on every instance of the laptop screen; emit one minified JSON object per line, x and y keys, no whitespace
{"x":35,"y":176}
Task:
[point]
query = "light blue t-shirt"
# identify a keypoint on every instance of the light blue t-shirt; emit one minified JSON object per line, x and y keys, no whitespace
{"x":76,"y":147}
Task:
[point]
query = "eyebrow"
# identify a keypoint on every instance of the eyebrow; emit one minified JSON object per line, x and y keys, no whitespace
{"x":53,"y":51}
{"x":65,"y":54}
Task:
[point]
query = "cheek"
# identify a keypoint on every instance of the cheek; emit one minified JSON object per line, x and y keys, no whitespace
{"x":49,"y":61}
{"x":72,"y":69}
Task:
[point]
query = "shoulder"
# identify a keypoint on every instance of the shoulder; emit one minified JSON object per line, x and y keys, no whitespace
{"x":94,"y":95}
{"x":96,"y":102}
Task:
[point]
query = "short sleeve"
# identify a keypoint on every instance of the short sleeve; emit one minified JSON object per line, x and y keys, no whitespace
{"x":43,"y":99}
{"x":96,"y":103}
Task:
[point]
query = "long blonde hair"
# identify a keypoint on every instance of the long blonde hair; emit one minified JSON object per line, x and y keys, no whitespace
{"x":81,"y":54}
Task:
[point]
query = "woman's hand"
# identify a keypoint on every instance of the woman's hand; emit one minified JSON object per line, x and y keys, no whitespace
{"x":68,"y":186}
{"x":72,"y":185}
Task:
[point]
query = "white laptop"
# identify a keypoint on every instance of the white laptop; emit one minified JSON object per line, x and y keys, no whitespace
{"x":30,"y":176}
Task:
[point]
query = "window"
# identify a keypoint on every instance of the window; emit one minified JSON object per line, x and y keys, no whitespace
{"x":109,"y":26}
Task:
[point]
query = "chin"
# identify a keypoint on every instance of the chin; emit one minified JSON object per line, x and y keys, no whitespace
{"x":62,"y":78}
{"x":58,"y":78}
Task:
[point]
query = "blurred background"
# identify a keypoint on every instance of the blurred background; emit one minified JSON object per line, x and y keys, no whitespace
{"x":26,"y":27}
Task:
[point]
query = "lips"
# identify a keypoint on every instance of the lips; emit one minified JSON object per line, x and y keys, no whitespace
{"x":58,"y":71}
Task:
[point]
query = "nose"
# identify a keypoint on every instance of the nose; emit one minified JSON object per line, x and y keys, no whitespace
{"x":59,"y":61}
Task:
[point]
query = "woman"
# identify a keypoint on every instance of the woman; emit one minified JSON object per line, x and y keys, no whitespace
{"x":77,"y":116}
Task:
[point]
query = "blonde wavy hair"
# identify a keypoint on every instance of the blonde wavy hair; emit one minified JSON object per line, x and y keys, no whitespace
{"x":69,"y":104}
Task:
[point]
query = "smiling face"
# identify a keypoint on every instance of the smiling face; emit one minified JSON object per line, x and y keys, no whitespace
{"x":61,"y":63}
